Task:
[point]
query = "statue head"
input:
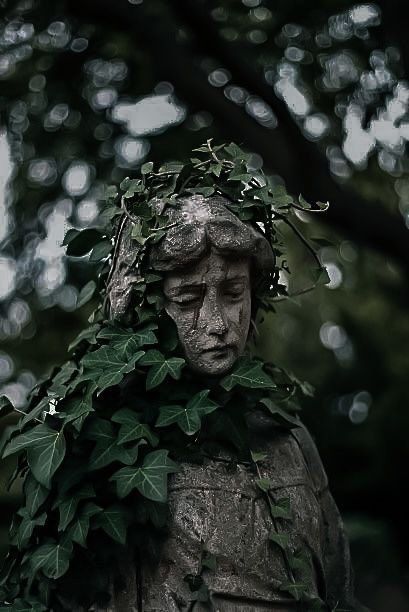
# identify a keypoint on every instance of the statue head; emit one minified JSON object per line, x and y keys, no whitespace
{"x":211,"y":263}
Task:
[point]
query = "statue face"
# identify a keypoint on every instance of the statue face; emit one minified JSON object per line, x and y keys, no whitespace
{"x":211,"y":307}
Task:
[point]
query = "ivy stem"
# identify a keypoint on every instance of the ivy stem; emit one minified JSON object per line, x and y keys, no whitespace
{"x":300,"y":236}
{"x":276,"y":529}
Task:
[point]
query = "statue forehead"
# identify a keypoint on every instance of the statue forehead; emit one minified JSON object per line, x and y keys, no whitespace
{"x":212,"y":269}
{"x":197,"y":208}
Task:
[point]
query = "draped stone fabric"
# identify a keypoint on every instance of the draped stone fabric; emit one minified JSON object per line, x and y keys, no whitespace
{"x":217,"y":506}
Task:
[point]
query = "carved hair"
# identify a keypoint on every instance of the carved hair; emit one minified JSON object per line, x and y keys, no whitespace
{"x":197,"y":225}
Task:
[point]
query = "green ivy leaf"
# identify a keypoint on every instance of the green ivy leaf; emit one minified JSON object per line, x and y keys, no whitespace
{"x":107,"y":452}
{"x":114,"y":521}
{"x":146,"y":168}
{"x":67,"y":508}
{"x":79,"y":531}
{"x":6,"y":407}
{"x":281,"y":539}
{"x":187,"y":419}
{"x":202,"y":404}
{"x":264,"y":484}
{"x":82,"y":243}
{"x":279,"y":414}
{"x":52,"y":559}
{"x":132,"y":429}
{"x":248,"y":373}
{"x":296,"y":589}
{"x":281,"y":509}
{"x":59,"y":381}
{"x":89,"y":335}
{"x":256,"y":457}
{"x":161,"y":367}
{"x":24,"y":605}
{"x":86,"y":293}
{"x":27,"y":527}
{"x":150,"y":479}
{"x":100,"y":251}
{"x":35,"y":494}
{"x":107,"y":367}
{"x":76,"y":410}
{"x":45,"y":451}
{"x":126,"y":342}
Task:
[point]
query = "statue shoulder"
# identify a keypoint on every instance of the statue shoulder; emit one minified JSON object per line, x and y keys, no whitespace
{"x":304,"y":441}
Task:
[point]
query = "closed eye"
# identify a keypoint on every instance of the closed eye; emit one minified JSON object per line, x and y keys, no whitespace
{"x":234,"y":290}
{"x":187,"y":297}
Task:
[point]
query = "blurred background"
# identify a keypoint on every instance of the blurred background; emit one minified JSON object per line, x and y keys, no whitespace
{"x":318,"y":92}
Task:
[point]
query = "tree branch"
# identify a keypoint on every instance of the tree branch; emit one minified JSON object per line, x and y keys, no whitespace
{"x":284,"y":149}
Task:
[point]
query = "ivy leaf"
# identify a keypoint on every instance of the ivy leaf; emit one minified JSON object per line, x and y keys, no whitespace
{"x":86,"y":293}
{"x":42,"y":406}
{"x":281,"y":539}
{"x":59,"y":381}
{"x":45,"y":451}
{"x":264,"y":484}
{"x":250,"y":374}
{"x":256,"y":457}
{"x":27,"y":527}
{"x":281,"y":509}
{"x":132,"y":429}
{"x":79,"y":530}
{"x":105,"y":453}
{"x":150,"y":479}
{"x":81,"y":243}
{"x":89,"y":335}
{"x":99,"y":430}
{"x":107,"y":366}
{"x":76,"y":409}
{"x":24,"y":605}
{"x":146,"y":168}
{"x":126,"y":342}
{"x":161,"y":367}
{"x":187,"y":419}
{"x":202,"y":404}
{"x":114,"y":521}
{"x":52,"y":559}
{"x":279,"y":414}
{"x":35,"y":494}
{"x":6,"y":407}
{"x":100,"y":251}
{"x":106,"y":216}
{"x":68,"y":507}
{"x":296,"y":589}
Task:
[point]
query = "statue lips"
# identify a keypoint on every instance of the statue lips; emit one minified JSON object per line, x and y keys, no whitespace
{"x":219,"y":349}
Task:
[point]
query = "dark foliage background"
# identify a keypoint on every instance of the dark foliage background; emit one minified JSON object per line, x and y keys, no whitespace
{"x":318,"y":93}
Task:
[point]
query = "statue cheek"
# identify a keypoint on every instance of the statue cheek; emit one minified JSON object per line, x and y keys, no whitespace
{"x":183,"y":321}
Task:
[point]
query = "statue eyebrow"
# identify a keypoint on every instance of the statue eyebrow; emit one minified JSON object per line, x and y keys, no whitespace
{"x":235,"y":279}
{"x":185,"y":288}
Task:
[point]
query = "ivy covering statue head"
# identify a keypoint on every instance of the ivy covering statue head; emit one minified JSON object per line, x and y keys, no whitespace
{"x":211,"y":261}
{"x":164,"y":467}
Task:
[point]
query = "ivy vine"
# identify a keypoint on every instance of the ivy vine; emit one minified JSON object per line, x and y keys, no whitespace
{"x":99,"y":439}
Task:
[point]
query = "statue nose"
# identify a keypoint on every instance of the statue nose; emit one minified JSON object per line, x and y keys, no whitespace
{"x":216,"y":323}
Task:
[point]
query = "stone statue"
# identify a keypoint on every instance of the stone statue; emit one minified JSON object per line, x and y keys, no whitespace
{"x":212,"y":263}
{"x":162,"y":466}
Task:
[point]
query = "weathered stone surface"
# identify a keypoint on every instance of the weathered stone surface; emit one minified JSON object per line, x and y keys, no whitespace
{"x":217,"y":506}
{"x":212,"y":261}
{"x":210,"y":304}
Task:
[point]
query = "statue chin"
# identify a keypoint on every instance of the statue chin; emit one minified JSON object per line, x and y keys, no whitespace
{"x":216,"y":362}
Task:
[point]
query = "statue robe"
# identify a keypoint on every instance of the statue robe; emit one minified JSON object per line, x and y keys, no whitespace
{"x":217,"y":506}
